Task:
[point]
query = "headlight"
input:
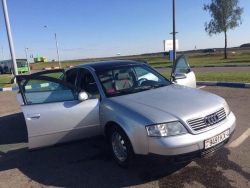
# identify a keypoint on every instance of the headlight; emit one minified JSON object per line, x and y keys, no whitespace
{"x":226,"y":107}
{"x":166,"y":129}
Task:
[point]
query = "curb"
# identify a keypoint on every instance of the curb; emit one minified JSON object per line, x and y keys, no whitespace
{"x":205,"y":83}
{"x":9,"y":89}
{"x":225,"y":84}
{"x":27,"y":87}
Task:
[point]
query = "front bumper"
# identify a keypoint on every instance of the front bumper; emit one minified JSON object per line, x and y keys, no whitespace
{"x":189,"y":156}
{"x":189,"y":144}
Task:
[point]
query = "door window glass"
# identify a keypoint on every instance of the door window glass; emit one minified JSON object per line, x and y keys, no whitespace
{"x":43,"y":91}
{"x":181,"y":66}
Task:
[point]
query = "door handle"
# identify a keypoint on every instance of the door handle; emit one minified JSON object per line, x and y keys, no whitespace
{"x":33,"y":116}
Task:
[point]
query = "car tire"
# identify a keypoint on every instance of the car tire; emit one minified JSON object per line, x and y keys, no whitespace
{"x":121,"y":147}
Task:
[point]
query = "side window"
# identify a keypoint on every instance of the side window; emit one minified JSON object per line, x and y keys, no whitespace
{"x":39,"y":91}
{"x":71,"y":76}
{"x":88,"y":84}
{"x":181,"y":66}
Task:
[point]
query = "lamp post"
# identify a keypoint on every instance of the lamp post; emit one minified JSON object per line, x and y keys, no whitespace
{"x":27,"y":59}
{"x":174,"y":41}
{"x":58,"y":55}
{"x":12,"y":52}
{"x":174,"y":47}
{"x":3,"y":53}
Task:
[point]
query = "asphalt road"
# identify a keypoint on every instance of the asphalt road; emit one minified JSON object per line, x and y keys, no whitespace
{"x":89,"y":163}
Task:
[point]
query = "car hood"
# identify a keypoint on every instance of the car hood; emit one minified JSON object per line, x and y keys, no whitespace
{"x":171,"y":103}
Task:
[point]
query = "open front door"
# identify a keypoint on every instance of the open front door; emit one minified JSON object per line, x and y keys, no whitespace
{"x":53,"y":113}
{"x":181,"y":73}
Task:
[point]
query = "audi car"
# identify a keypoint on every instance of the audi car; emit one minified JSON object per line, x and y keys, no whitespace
{"x":137,"y":110}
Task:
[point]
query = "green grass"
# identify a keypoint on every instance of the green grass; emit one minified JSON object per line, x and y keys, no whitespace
{"x":65,"y":64}
{"x":5,"y":81}
{"x":209,"y":60}
{"x":159,"y":61}
{"x":205,"y":60}
{"x":224,"y":76}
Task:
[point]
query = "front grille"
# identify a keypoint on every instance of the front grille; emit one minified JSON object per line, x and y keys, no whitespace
{"x":199,"y":124}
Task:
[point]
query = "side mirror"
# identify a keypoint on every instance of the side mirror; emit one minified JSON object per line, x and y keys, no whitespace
{"x":180,"y":76}
{"x":83,"y":96}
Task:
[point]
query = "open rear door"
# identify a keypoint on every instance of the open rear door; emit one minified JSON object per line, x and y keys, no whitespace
{"x":181,"y":73}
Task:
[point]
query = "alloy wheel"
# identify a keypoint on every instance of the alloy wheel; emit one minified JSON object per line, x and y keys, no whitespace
{"x":119,"y":147}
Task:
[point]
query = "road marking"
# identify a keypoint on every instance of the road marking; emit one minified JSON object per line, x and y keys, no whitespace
{"x":241,"y":139}
{"x":201,"y":87}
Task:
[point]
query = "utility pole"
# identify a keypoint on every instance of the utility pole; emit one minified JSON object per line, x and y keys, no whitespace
{"x":57,"y":49}
{"x":12,"y":52}
{"x":174,"y":47}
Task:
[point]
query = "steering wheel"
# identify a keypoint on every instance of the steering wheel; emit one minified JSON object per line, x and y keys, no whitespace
{"x":140,"y":81}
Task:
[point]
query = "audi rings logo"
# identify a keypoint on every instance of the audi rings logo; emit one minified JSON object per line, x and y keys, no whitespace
{"x":211,"y":119}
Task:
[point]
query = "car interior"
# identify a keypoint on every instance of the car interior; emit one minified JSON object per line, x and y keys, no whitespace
{"x":88,"y":84}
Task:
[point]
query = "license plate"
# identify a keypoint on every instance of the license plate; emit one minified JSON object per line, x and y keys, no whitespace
{"x":216,"y":139}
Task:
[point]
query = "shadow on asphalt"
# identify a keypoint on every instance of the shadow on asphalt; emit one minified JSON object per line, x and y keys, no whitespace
{"x":89,"y":163}
{"x":13,"y":129}
{"x":86,"y":163}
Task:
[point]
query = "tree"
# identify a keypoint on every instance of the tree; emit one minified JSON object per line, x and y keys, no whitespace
{"x":225,"y":14}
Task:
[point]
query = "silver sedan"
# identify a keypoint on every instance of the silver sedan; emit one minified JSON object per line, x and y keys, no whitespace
{"x":137,"y":110}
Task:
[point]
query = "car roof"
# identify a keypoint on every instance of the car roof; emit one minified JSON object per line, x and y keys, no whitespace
{"x":110,"y":64}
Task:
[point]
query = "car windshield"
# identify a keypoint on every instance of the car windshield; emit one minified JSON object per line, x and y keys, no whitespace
{"x":130,"y":79}
{"x":22,"y":64}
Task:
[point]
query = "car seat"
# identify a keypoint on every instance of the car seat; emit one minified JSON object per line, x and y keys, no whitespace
{"x":91,"y":86}
{"x":122,"y":81}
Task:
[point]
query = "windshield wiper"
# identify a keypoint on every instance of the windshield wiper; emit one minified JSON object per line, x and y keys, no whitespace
{"x":142,"y":88}
{"x":136,"y":89}
{"x":157,"y":85}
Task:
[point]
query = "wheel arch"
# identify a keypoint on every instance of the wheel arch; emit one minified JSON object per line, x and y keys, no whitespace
{"x":138,"y":144}
{"x":108,"y":127}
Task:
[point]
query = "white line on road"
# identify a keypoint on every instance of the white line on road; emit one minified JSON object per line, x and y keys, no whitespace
{"x":241,"y":139}
{"x":201,"y":87}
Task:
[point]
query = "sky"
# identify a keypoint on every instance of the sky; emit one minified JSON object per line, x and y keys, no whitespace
{"x":104,"y":28}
